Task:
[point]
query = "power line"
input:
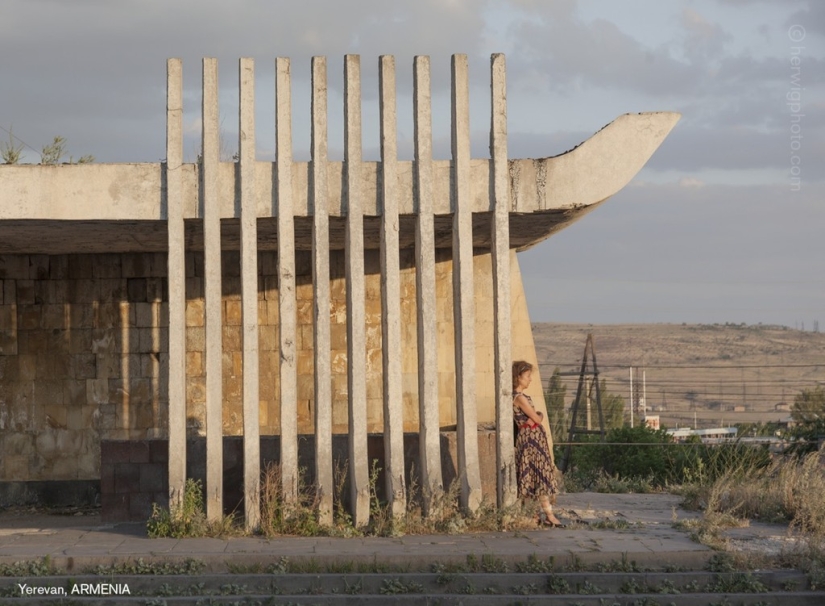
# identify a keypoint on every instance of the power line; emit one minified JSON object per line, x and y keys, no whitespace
{"x":11,"y":134}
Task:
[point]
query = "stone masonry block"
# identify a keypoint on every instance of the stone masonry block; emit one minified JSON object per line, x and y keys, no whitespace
{"x":81,"y":291}
{"x":8,"y":317}
{"x":28,"y":316}
{"x":158,"y":451}
{"x":97,"y":391}
{"x":145,"y":315}
{"x":140,"y":506}
{"x":163,"y":315}
{"x":53,"y":316}
{"x":27,"y":368}
{"x":80,"y":340}
{"x":14,"y":267}
{"x":38,"y":267}
{"x":9,"y":371}
{"x":194,"y":363}
{"x":232,"y":313}
{"x":9,"y":291}
{"x":271,"y":288}
{"x":107,"y":266}
{"x":149,"y":339}
{"x":232,"y":338}
{"x":57,"y":341}
{"x":110,"y":290}
{"x":58,"y":267}
{"x":8,"y":343}
{"x":80,"y":267}
{"x":231,"y":288}
{"x":195,"y":312}
{"x":194,"y":288}
{"x":196,"y":389}
{"x":195,"y":339}
{"x":153,"y":478}
{"x":156,"y":290}
{"x":139,"y":451}
{"x":82,"y":316}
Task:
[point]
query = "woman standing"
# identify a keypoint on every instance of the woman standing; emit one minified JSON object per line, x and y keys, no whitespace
{"x":535,"y":471}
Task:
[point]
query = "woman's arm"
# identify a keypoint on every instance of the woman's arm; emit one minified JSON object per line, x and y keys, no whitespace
{"x":528,"y":409}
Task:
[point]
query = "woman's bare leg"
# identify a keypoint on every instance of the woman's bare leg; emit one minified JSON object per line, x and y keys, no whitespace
{"x":547,"y":508}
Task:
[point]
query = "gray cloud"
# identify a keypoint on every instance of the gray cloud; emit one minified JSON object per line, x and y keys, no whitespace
{"x":697,"y":254}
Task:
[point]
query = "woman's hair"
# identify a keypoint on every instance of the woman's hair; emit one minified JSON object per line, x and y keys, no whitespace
{"x":519,"y":367}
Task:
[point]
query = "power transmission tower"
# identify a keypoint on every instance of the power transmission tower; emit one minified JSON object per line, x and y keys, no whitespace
{"x":591,"y":374}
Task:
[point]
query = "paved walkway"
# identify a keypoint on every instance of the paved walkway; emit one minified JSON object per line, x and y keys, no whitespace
{"x":648,"y":539}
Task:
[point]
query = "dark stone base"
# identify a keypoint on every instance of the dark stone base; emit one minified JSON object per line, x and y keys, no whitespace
{"x":135,"y":474}
{"x":62,"y":493}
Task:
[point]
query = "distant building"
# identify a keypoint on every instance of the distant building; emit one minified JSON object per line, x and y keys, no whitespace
{"x":782,"y":407}
{"x":652,"y":421}
{"x":708,"y":436}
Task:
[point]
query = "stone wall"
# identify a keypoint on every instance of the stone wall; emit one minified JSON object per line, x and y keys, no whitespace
{"x":135,"y":474}
{"x":84,"y":341}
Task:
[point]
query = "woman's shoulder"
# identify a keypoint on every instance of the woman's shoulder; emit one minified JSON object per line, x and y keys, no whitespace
{"x":520,"y":394}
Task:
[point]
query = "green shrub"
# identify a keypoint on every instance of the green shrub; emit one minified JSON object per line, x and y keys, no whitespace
{"x":188,"y":519}
{"x":641,"y":459}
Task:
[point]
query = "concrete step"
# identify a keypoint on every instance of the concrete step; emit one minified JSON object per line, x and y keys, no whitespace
{"x":782,"y":587}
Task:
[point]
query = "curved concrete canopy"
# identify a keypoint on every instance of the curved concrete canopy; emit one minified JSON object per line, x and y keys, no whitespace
{"x":122,"y":207}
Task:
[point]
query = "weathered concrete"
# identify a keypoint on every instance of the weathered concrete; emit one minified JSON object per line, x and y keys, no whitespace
{"x":356,"y":333}
{"x":564,"y":186}
{"x":176,"y":281}
{"x":321,"y":290}
{"x":499,"y":227}
{"x":93,"y":355}
{"x":391,"y":294}
{"x":286,"y":284}
{"x":354,"y":207}
{"x":249,"y":295}
{"x":425,"y":288}
{"x":463,"y":302}
{"x":212,"y":291}
{"x":650,"y":540}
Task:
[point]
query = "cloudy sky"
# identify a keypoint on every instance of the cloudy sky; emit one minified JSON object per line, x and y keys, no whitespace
{"x":725,"y":223}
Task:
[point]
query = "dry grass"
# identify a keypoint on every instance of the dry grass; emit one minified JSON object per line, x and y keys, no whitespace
{"x":791,"y":491}
{"x":445,"y":515}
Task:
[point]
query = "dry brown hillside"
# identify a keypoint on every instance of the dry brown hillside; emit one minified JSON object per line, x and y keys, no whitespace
{"x":721,"y":373}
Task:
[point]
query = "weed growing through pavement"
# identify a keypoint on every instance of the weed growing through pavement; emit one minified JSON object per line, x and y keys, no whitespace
{"x":188,"y":519}
{"x":29,"y":568}
{"x":445,"y":513}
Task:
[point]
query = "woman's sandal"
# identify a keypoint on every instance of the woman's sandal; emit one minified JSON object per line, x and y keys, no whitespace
{"x":543,"y":520}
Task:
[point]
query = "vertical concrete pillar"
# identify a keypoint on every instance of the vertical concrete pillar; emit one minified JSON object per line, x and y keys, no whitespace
{"x":506,"y":490}
{"x":356,"y":328}
{"x":429,"y":445}
{"x":391,"y":293}
{"x":286,"y":283}
{"x":463,"y":300}
{"x":176,"y":281}
{"x":249,"y":295}
{"x":212,"y":291}
{"x":321,"y":293}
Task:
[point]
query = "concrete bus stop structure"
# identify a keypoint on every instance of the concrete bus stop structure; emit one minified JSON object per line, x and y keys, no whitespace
{"x":144,"y":303}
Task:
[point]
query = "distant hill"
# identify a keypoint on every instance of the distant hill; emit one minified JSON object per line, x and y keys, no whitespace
{"x":719,"y":372}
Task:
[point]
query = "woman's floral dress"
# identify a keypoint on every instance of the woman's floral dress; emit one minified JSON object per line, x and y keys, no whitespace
{"x":535,"y":471}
